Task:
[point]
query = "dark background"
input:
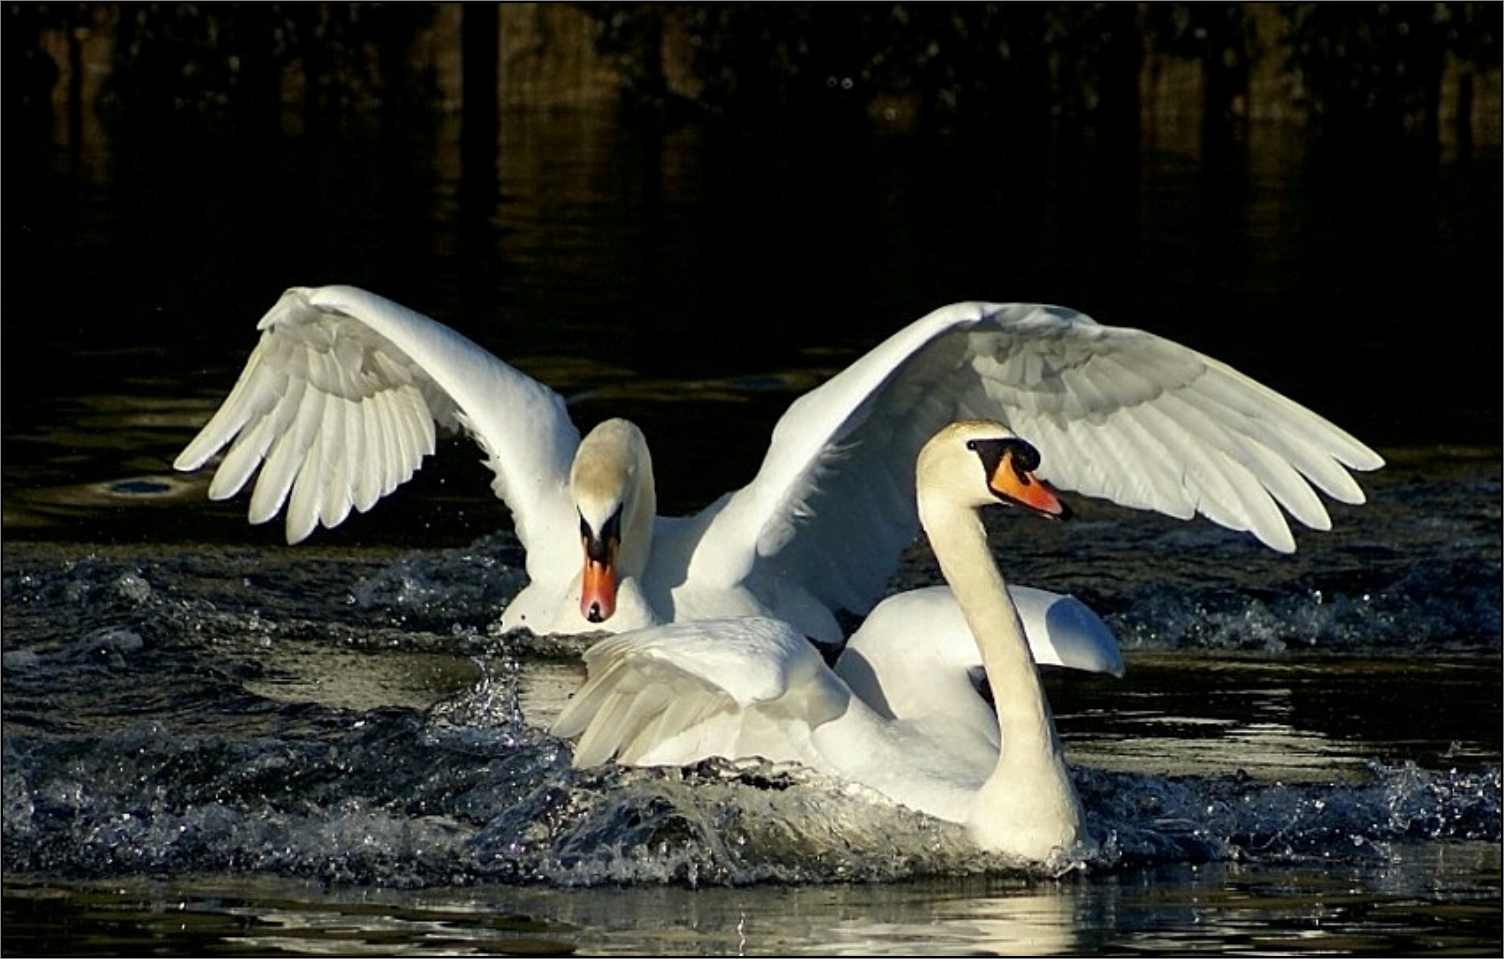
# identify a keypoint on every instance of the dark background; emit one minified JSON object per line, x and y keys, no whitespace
{"x":653,"y":197}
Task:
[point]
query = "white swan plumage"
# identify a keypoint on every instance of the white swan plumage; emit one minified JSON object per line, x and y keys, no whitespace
{"x":897,"y":713}
{"x":339,"y":401}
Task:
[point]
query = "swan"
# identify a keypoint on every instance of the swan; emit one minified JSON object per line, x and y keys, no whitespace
{"x":339,"y":401}
{"x":896,"y":714}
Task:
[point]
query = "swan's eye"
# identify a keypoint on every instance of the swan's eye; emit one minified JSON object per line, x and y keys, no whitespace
{"x":612,"y":530}
{"x":1024,"y":457}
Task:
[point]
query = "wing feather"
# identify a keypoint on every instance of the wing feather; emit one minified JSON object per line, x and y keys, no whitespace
{"x":1117,"y":413}
{"x":1284,"y":482}
{"x":339,"y":404}
{"x":286,"y":456}
{"x":252,"y":395}
{"x":394,"y":465}
{"x":343,"y":461}
{"x":681,"y":692}
{"x":367,"y":432}
{"x":1236,"y":476}
{"x":307,"y":502}
{"x":240,"y":463}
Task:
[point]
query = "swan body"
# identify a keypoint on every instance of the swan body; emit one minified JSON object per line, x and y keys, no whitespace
{"x":339,"y":402}
{"x":897,"y":713}
{"x":922,"y":665}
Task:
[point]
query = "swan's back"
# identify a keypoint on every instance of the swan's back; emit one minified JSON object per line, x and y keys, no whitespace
{"x":909,"y":639}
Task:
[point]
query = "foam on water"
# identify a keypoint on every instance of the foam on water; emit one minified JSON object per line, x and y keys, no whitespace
{"x":193,"y":772}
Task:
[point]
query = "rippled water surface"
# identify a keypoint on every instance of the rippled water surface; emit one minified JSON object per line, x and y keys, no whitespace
{"x":214,"y":743}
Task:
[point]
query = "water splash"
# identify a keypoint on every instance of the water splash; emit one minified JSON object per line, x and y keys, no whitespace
{"x":400,"y":799}
{"x":353,"y":717}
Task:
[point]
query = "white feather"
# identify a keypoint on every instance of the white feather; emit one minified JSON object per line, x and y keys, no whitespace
{"x":1117,"y":413}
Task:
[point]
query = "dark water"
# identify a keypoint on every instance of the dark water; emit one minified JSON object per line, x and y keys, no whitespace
{"x":217,"y":744}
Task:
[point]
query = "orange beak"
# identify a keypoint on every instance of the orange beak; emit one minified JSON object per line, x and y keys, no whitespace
{"x":1013,"y":483}
{"x":598,"y":581}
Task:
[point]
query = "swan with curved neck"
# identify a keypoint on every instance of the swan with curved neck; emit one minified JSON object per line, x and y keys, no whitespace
{"x":752,"y":687}
{"x":1027,"y":805}
{"x":340,"y":401}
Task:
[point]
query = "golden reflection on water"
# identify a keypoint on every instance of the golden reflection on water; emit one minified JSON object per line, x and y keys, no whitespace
{"x":1213,"y":909}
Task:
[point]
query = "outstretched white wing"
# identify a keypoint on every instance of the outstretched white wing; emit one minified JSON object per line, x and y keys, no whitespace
{"x":1117,"y":413}
{"x":338,"y":403}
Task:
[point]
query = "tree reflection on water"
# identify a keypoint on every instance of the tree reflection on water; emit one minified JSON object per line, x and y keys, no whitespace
{"x":1386,"y":69}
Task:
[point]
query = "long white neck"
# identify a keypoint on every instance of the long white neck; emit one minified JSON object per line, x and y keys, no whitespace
{"x":1028,"y":806}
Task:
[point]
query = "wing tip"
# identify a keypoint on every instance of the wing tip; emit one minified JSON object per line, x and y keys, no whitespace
{"x":199,"y":451}
{"x":188,"y":464}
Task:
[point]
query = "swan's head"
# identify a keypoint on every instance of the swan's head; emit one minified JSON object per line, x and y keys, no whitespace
{"x":611,"y":481}
{"x":980,"y":462}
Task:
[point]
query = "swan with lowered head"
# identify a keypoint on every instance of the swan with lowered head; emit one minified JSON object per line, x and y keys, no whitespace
{"x":896,"y":714}
{"x":339,"y":401}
